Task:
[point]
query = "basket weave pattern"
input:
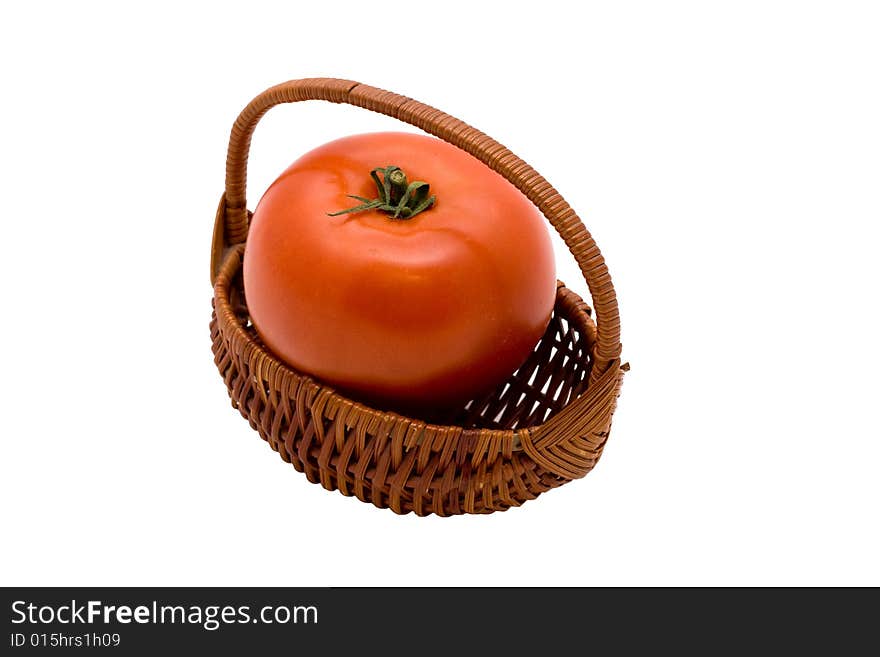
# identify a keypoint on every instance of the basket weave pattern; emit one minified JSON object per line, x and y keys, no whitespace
{"x":544,"y":427}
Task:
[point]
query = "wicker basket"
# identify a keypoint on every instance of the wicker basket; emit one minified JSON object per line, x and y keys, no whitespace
{"x":546,"y":426}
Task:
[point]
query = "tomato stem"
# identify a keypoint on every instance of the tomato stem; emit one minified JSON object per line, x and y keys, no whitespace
{"x":397,"y":196}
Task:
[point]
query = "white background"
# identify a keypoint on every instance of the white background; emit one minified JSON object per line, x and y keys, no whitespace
{"x":726,"y":157}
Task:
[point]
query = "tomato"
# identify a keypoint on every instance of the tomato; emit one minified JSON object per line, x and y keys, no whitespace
{"x":410,"y":313}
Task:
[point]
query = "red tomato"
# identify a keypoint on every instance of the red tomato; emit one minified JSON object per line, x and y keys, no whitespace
{"x":407,"y":313}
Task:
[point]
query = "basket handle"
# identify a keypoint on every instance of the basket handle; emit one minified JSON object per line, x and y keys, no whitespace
{"x":231,"y":226}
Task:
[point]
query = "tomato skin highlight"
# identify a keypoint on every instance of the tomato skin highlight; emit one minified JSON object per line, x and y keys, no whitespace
{"x":419,"y":313}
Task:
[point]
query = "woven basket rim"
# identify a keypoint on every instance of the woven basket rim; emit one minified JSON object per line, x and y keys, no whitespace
{"x":230,"y":267}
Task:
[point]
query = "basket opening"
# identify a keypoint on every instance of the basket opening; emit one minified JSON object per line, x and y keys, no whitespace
{"x":556,"y":371}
